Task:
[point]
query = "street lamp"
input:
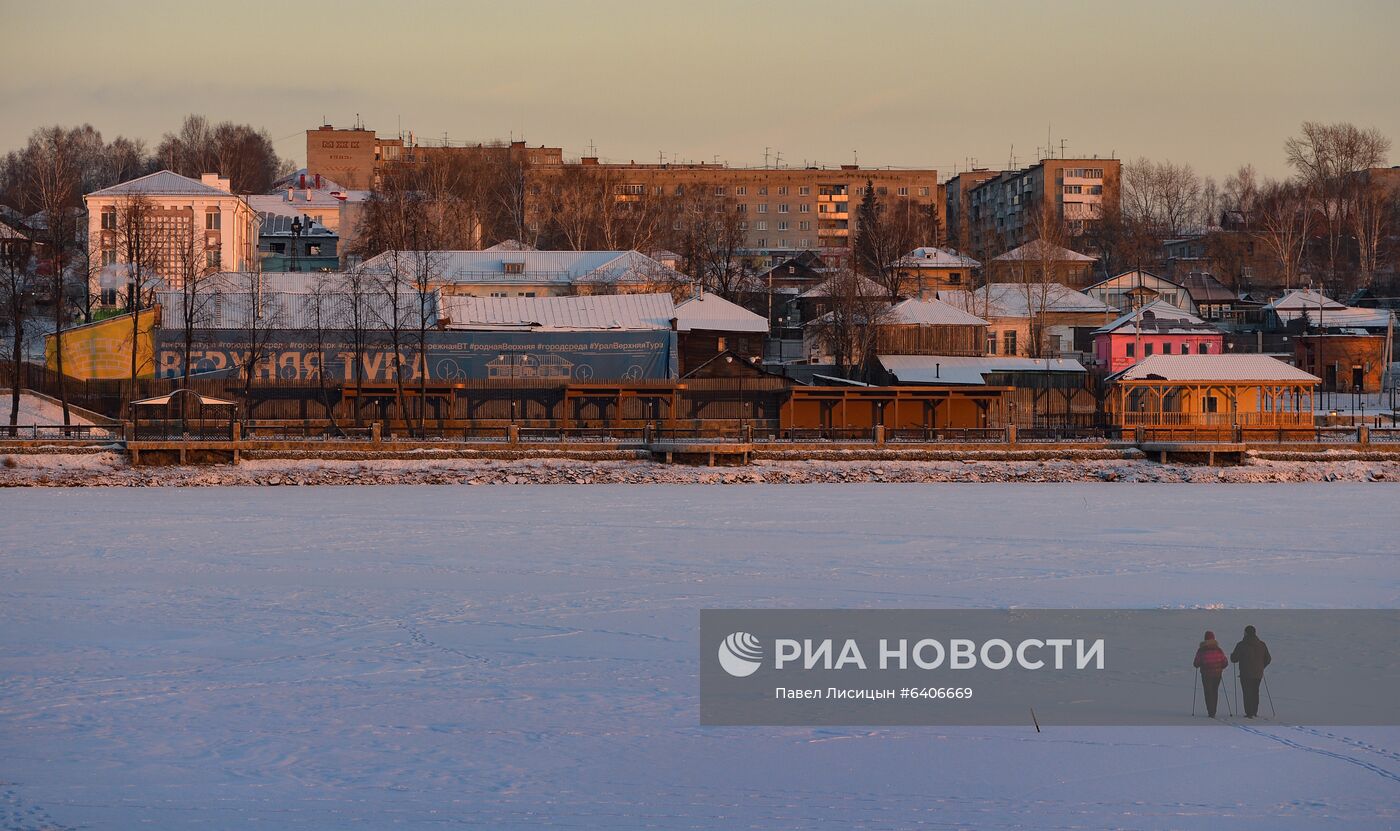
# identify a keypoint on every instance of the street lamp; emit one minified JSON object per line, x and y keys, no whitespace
{"x":296,"y":242}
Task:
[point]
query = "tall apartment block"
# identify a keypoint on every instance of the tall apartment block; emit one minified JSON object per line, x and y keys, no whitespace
{"x":1012,"y":207}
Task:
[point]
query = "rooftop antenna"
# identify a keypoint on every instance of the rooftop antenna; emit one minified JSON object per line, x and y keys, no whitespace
{"x":855,"y":157}
{"x":592,"y":148}
{"x":778,"y":162}
{"x":1062,"y":148}
{"x":766,"y":150}
{"x":661,"y":157}
{"x":1049,"y":144}
{"x":1011,"y":160}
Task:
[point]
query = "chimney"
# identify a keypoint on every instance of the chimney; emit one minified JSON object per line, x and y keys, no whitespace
{"x":301,"y":181}
{"x":588,"y":161}
{"x":213,"y":180}
{"x":318,"y":181}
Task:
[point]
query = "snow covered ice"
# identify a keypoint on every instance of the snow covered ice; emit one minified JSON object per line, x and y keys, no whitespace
{"x":525,"y":657}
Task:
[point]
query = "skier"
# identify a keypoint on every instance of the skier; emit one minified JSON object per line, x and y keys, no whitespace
{"x":1250,"y":655}
{"x":1211,"y":661}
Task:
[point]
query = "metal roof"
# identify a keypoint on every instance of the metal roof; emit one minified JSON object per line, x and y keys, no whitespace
{"x":556,"y":267}
{"x":712,"y":313}
{"x":1213,"y":368}
{"x":599,"y":311}
{"x":868,"y":288}
{"x":930,"y":257}
{"x":1349,"y":317}
{"x":931,"y":313}
{"x":1038,"y":249}
{"x":1302,"y":300}
{"x":1016,"y":300}
{"x":162,"y":182}
{"x":1159,"y":318}
{"x":956,"y":369}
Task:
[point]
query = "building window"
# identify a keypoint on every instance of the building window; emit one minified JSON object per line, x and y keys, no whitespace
{"x":1008,"y":342}
{"x":109,"y":219}
{"x":1203,"y":349}
{"x":904,"y":191}
{"x":632,"y":189}
{"x":991,"y":343}
{"x":1210,"y":404}
{"x":805,"y":190}
{"x":802,"y":243}
{"x":213,"y":219}
{"x":719,"y":190}
{"x":763,"y":207}
{"x":513,"y":268}
{"x":1147,"y":350}
{"x":954,"y":278}
{"x":278,"y":247}
{"x":804,"y":208}
{"x":741,"y":190}
{"x":109,"y":256}
{"x":762,"y":242}
{"x":741,"y":208}
{"x":1074,"y":188}
{"x":762,"y":190}
{"x":498,"y":294}
{"x":804,"y":225}
{"x":782,"y":190}
{"x":1130,"y":350}
{"x":923,"y":191}
{"x":211,"y":258}
{"x":782,"y":208}
{"x":782,"y":225}
{"x":760,"y":226}
{"x":743,"y":225}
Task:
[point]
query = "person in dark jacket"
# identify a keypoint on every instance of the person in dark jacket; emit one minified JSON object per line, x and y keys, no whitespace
{"x":1211,"y":661}
{"x":1251,"y":655}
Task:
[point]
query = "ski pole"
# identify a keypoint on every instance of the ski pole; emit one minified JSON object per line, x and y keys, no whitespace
{"x":1193,"y":692}
{"x":1271,"y":698}
{"x":1228,"y":706}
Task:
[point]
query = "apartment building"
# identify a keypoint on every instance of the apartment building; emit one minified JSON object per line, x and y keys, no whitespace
{"x":1011,"y":208}
{"x":957,"y":203}
{"x":184,"y":225}
{"x":783,"y":210}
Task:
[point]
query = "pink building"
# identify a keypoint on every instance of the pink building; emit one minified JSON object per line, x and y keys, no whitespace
{"x":1158,"y":328}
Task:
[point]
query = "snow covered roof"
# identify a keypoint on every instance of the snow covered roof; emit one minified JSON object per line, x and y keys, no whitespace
{"x":931,"y":257}
{"x":599,"y":311}
{"x":1348,"y":317}
{"x":1300,"y":300}
{"x":712,"y":313}
{"x":1136,"y":277}
{"x":162,"y":182}
{"x":1017,"y":299}
{"x":1038,"y":249}
{"x":956,"y":369}
{"x":1213,"y":368}
{"x":868,"y":288}
{"x":932,"y":313}
{"x":1158,"y":318}
{"x":511,"y":245}
{"x":554,"y":267}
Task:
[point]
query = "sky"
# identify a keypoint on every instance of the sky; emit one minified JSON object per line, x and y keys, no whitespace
{"x":907,"y":84}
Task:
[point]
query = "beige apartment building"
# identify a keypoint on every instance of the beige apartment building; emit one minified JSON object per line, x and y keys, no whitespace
{"x":185,"y":225}
{"x":783,"y":210}
{"x":957,"y":203}
{"x":1011,"y":208}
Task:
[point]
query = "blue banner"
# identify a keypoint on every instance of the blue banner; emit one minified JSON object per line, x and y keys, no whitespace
{"x":294,"y":355}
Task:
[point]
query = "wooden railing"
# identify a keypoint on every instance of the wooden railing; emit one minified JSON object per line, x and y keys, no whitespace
{"x":1250,"y":419}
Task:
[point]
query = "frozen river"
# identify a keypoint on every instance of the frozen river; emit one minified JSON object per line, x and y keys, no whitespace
{"x":523,"y":657}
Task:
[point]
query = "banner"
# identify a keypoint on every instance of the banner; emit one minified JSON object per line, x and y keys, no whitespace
{"x":1047,"y":667}
{"x":293,"y":355}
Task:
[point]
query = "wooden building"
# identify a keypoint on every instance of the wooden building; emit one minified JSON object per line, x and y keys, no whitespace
{"x":708,"y":325}
{"x":1191,"y":394}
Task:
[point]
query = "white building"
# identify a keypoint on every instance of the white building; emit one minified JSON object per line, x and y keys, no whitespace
{"x":184,"y":226}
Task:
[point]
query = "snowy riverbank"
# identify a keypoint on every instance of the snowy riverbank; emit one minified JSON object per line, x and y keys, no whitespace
{"x":111,"y":469}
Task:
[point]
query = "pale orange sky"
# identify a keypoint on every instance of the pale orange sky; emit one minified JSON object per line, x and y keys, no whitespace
{"x":915,"y":84}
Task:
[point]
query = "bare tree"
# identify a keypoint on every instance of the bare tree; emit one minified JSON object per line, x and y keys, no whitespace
{"x":141,"y":246}
{"x":241,"y":153}
{"x":1373,"y":217}
{"x":1325,"y":157}
{"x":54,"y":182}
{"x":850,"y":330}
{"x":354,"y":291}
{"x":16,"y":256}
{"x":322,"y":303}
{"x":710,"y":234}
{"x":1282,"y":218}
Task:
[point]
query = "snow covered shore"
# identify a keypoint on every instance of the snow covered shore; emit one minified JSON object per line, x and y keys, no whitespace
{"x":106,"y":468}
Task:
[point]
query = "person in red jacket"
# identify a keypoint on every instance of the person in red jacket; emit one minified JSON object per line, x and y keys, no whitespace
{"x":1211,"y":661}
